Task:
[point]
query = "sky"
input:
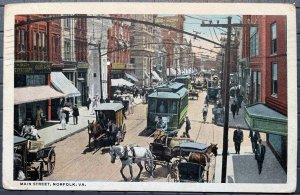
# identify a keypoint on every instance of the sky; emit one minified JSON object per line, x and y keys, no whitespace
{"x":193,"y":23}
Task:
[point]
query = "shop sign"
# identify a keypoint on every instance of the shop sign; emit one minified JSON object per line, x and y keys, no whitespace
{"x":118,"y":66}
{"x":83,"y":65}
{"x":32,"y":67}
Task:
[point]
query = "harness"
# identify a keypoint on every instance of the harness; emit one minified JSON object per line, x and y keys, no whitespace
{"x":126,"y":156}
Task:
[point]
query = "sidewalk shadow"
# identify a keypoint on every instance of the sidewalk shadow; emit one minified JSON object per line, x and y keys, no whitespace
{"x":146,"y":132}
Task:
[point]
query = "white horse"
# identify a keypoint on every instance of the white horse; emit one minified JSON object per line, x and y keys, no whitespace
{"x":131,"y":155}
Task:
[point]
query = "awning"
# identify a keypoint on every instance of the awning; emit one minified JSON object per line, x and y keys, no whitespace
{"x":155,"y":76}
{"x":146,"y":74}
{"x":172,"y":70}
{"x":64,"y":85}
{"x":259,"y":117}
{"x":120,"y":82}
{"x":131,"y":77}
{"x":34,"y":94}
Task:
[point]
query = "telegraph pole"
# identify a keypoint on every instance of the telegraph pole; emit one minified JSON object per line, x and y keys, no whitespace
{"x":226,"y":89}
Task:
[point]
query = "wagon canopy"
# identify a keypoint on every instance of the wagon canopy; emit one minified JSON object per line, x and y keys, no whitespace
{"x":193,"y":147}
{"x":110,"y":106}
{"x":19,"y":140}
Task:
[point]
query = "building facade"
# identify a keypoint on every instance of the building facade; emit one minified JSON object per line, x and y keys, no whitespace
{"x":265,"y":48}
{"x":97,"y":37}
{"x":37,"y":50}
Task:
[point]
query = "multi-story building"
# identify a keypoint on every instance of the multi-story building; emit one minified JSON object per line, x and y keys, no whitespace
{"x":119,"y":47}
{"x":37,"y":50}
{"x":97,"y":37}
{"x":264,"y":48}
{"x":142,"y":52}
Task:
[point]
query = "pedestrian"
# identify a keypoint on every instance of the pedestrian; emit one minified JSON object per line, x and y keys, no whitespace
{"x":38,"y":117}
{"x":62,"y":120}
{"x":233,"y":108}
{"x":62,"y":102}
{"x":238,"y":139}
{"x":206,"y":100}
{"x":237,"y":108}
{"x":260,"y":151}
{"x":88,"y":102}
{"x":254,"y":137}
{"x":67,"y":115}
{"x":75,"y":115}
{"x":204,"y":112}
{"x":187,"y":126}
{"x":94,"y":105}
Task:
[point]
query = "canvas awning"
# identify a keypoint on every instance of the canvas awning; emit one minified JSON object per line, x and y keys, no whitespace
{"x":120,"y":82}
{"x":35,"y":94}
{"x":146,"y":74}
{"x":155,"y":76}
{"x":64,"y":85}
{"x":131,"y":77}
{"x":261,"y":118}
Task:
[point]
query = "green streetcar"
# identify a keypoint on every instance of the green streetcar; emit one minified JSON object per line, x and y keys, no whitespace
{"x":186,"y":80}
{"x":170,"y":101}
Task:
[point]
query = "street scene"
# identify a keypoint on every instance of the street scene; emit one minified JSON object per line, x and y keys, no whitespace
{"x":150,"y":98}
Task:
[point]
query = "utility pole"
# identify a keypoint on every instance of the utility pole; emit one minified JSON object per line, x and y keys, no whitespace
{"x":226,"y":89}
{"x":150,"y":83}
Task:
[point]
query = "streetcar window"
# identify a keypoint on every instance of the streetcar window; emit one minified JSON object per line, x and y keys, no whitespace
{"x":151,"y":105}
{"x":173,"y":107}
{"x":162,"y":106}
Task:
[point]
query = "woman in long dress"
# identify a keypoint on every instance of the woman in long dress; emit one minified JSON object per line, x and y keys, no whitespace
{"x":63,"y":120}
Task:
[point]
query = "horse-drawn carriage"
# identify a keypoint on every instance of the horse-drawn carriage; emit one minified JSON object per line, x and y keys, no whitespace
{"x":164,"y":147}
{"x":198,"y":167}
{"x":193,"y":93}
{"x":199,"y":85}
{"x":32,"y":161}
{"x":109,"y":127}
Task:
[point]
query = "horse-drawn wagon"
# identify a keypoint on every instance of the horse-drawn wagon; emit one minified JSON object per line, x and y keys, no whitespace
{"x":198,"y":167}
{"x":193,"y":93}
{"x":32,"y":161}
{"x":109,"y":127}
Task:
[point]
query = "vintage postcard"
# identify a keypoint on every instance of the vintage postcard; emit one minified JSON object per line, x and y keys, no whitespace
{"x":176,"y":97}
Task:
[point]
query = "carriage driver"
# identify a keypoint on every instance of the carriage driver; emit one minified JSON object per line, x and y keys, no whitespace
{"x":102,"y":120}
{"x":161,"y":124}
{"x":112,"y":130}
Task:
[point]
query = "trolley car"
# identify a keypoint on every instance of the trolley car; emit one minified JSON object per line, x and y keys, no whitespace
{"x":170,"y":101}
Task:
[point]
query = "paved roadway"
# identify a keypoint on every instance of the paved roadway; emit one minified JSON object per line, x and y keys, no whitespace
{"x":75,"y":162}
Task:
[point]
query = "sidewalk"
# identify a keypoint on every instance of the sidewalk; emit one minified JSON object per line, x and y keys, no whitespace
{"x":242,"y":168}
{"x":239,"y":119}
{"x":53,"y":134}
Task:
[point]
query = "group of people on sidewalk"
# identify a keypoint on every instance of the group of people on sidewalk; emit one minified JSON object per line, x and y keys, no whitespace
{"x":257,"y":147}
{"x":64,"y":113}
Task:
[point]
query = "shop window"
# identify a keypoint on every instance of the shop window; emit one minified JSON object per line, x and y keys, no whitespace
{"x":35,"y":80}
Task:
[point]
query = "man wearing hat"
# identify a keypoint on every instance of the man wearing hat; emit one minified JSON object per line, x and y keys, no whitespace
{"x":75,"y":114}
{"x":237,"y":139}
{"x":161,"y":124}
{"x":187,"y":126}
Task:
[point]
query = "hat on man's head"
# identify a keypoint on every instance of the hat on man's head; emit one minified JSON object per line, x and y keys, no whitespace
{"x":159,"y":117}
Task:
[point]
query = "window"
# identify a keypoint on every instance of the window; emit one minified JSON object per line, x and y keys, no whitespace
{"x":274,"y":80}
{"x":173,"y":107}
{"x":22,"y":40}
{"x":35,"y":80}
{"x":162,"y":106}
{"x":152,"y":105}
{"x":254,"y":86}
{"x":132,"y":60}
{"x":67,"y":49}
{"x":253,"y":41}
{"x":258,"y":86}
{"x":273,"y":38}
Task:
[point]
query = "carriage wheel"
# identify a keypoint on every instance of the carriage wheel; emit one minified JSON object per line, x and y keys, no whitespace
{"x":51,"y":162}
{"x":147,"y":167}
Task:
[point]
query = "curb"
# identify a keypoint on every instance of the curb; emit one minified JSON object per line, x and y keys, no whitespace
{"x":66,"y":136}
{"x":232,"y":126}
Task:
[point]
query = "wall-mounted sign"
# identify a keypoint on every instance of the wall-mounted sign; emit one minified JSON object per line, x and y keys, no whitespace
{"x":118,"y":66}
{"x":32,"y":67}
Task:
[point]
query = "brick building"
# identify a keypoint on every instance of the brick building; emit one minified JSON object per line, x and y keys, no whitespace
{"x":264,"y":74}
{"x":37,"y":49}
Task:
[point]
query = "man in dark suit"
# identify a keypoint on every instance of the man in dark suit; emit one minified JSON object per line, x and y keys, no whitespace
{"x":238,"y":138}
{"x":260,"y":155}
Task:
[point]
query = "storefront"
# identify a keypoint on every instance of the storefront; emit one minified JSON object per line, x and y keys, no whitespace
{"x":31,"y":89}
{"x":61,"y":83}
{"x":260,"y":117}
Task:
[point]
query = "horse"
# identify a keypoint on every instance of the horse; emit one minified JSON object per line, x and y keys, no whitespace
{"x":129,"y":155}
{"x":204,"y":159}
{"x":95,"y":130}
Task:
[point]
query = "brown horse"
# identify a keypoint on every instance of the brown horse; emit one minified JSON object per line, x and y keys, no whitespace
{"x":95,"y":131}
{"x":205,"y":159}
